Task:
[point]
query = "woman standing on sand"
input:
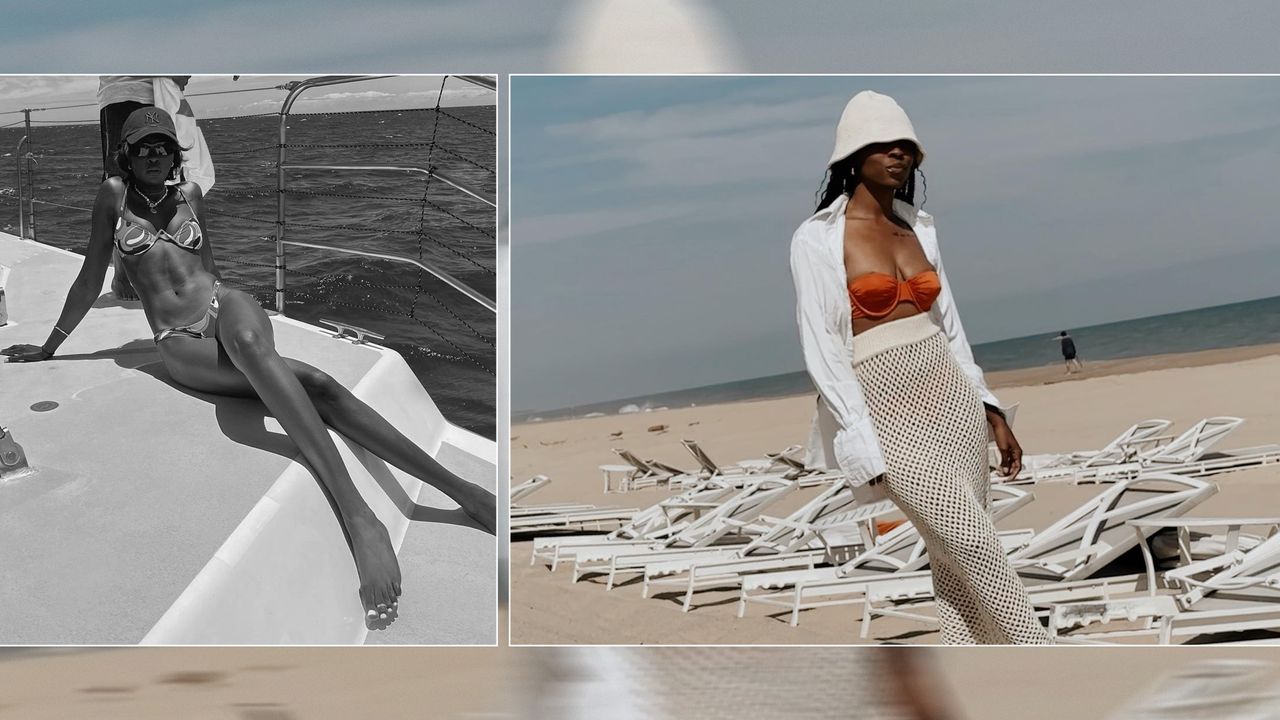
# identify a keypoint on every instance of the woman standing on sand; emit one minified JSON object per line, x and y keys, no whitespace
{"x":215,"y":339}
{"x":904,"y":408}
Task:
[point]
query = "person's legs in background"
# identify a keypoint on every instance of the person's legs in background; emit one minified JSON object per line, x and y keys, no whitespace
{"x":110,"y":122}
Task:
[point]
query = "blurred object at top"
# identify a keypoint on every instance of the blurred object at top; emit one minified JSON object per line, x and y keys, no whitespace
{"x":719,"y":683}
{"x":656,"y":36}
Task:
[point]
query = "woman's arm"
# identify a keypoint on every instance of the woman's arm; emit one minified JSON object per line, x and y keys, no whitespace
{"x":88,"y":283}
{"x":949,"y":316}
{"x":196,"y":198}
{"x":857,"y":449}
{"x":954,"y":329}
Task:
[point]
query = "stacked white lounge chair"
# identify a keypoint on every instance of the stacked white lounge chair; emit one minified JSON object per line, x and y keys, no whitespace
{"x":1144,"y":448}
{"x":548,"y":517}
{"x":1226,"y":585}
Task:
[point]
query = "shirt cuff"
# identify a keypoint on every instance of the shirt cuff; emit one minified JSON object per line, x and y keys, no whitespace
{"x":859,"y":460}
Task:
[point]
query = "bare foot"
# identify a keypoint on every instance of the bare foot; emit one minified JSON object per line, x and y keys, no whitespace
{"x":377,"y":566}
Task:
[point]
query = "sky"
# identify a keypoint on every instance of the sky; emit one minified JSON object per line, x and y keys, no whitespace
{"x":503,"y":36}
{"x":651,"y":217}
{"x":73,"y":98}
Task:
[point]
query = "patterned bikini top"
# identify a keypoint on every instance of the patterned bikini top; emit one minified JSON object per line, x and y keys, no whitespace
{"x":135,"y":236}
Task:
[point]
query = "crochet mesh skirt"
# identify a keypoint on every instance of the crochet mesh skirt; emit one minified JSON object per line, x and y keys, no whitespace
{"x":933,"y":433}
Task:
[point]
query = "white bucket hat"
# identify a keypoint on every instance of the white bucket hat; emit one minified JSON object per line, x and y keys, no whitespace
{"x":872,"y":118}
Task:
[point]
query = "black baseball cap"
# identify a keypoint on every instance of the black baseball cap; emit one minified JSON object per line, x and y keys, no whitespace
{"x":148,"y":121}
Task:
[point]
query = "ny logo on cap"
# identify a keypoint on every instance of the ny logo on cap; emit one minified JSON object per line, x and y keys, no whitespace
{"x":153,"y":117}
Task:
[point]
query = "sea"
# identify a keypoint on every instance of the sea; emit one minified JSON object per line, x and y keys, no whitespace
{"x":447,"y":339}
{"x":1255,"y":322}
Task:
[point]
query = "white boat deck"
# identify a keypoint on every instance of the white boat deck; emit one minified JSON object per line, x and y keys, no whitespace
{"x":161,"y":515}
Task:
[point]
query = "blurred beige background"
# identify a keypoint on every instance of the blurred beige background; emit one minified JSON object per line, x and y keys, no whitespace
{"x":473,"y":683}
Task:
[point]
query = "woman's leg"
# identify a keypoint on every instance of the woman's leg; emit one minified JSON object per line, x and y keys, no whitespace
{"x":245,"y":353}
{"x":350,"y":416}
{"x":973,"y":580}
{"x":959,"y":625}
{"x":933,"y":433}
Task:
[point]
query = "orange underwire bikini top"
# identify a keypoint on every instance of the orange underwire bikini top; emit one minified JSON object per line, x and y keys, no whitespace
{"x":876,"y":294}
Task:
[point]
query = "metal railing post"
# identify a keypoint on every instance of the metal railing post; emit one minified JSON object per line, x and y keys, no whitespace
{"x":31,"y":182}
{"x":22,"y":210}
{"x":280,"y":183}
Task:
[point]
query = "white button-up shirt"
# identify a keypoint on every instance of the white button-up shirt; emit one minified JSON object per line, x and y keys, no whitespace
{"x":842,"y":429}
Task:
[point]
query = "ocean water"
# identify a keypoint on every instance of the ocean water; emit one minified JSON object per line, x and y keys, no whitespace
{"x":1256,"y":322}
{"x":447,"y":339}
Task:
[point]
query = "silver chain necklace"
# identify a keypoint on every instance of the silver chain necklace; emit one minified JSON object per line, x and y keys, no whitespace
{"x":151,"y":205}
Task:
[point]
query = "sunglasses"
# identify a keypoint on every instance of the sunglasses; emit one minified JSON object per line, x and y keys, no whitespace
{"x":145,"y":150}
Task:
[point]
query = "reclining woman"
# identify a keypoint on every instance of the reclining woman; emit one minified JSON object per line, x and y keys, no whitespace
{"x":215,"y":339}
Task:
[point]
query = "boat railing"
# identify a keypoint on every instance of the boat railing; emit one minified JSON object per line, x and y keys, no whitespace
{"x":26,"y":213}
{"x":296,"y":89}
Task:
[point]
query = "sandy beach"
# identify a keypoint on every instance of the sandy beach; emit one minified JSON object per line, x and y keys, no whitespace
{"x":1057,"y":413}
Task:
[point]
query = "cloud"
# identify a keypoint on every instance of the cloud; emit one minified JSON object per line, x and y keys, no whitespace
{"x":586,"y":223}
{"x":697,"y":119}
{"x":15,"y":89}
{"x":1040,"y":119}
{"x":294,"y":35}
{"x":704,"y":143}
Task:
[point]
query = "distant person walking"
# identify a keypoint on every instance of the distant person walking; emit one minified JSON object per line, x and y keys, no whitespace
{"x":1069,"y":353}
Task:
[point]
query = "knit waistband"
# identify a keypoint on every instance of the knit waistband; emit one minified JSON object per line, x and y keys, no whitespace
{"x":893,"y":334}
